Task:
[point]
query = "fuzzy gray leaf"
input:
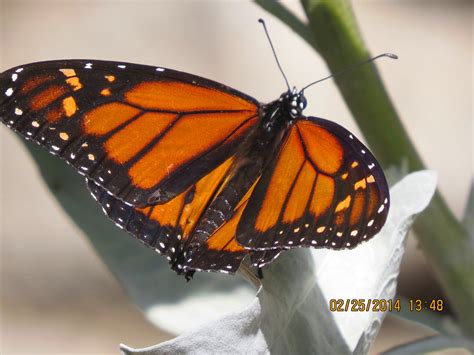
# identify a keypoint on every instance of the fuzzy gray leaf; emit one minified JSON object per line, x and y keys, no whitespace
{"x":291,"y":312}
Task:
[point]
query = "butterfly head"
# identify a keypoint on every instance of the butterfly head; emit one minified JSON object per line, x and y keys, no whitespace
{"x":294,"y":102}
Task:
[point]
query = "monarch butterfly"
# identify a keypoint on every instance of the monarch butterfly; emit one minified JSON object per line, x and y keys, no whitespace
{"x":200,"y":172}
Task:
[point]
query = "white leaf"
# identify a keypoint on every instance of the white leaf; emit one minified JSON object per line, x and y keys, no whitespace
{"x":291,"y":313}
{"x":169,"y":302}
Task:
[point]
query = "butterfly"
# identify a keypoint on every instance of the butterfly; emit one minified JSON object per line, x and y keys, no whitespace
{"x":202,"y":173}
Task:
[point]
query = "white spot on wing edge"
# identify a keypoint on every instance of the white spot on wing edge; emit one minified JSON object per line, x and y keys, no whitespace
{"x":160,"y":69}
{"x":14,"y":76}
{"x":88,"y":66}
{"x":381,"y":208}
{"x":18,"y":112}
{"x":9,"y":92}
{"x":121,"y":66}
{"x":19,"y":70}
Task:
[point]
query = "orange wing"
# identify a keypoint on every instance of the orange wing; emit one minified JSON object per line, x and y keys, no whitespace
{"x":220,"y":251}
{"x":169,"y":228}
{"x":144,"y":134}
{"x":165,"y":227}
{"x":325,"y":189}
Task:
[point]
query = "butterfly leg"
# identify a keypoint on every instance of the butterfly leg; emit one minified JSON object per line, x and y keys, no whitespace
{"x":189,"y":275}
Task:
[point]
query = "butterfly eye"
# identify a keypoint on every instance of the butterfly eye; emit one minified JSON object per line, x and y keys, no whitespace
{"x":302,"y":103}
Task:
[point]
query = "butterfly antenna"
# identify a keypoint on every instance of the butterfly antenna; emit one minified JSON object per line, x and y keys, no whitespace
{"x":352,"y":67}
{"x":274,"y":53}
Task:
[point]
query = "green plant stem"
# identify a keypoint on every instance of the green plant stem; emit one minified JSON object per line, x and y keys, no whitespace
{"x":289,"y":18}
{"x":333,"y":32}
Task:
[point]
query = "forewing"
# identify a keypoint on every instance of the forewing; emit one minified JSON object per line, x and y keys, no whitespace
{"x":144,"y":134}
{"x":324,"y":189}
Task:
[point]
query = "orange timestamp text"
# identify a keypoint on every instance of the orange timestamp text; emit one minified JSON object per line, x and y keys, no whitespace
{"x":384,"y":305}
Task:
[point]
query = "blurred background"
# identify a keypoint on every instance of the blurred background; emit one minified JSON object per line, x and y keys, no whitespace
{"x":56,"y":294}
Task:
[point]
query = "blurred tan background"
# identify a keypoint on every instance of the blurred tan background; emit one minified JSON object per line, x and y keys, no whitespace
{"x":56,"y":295}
